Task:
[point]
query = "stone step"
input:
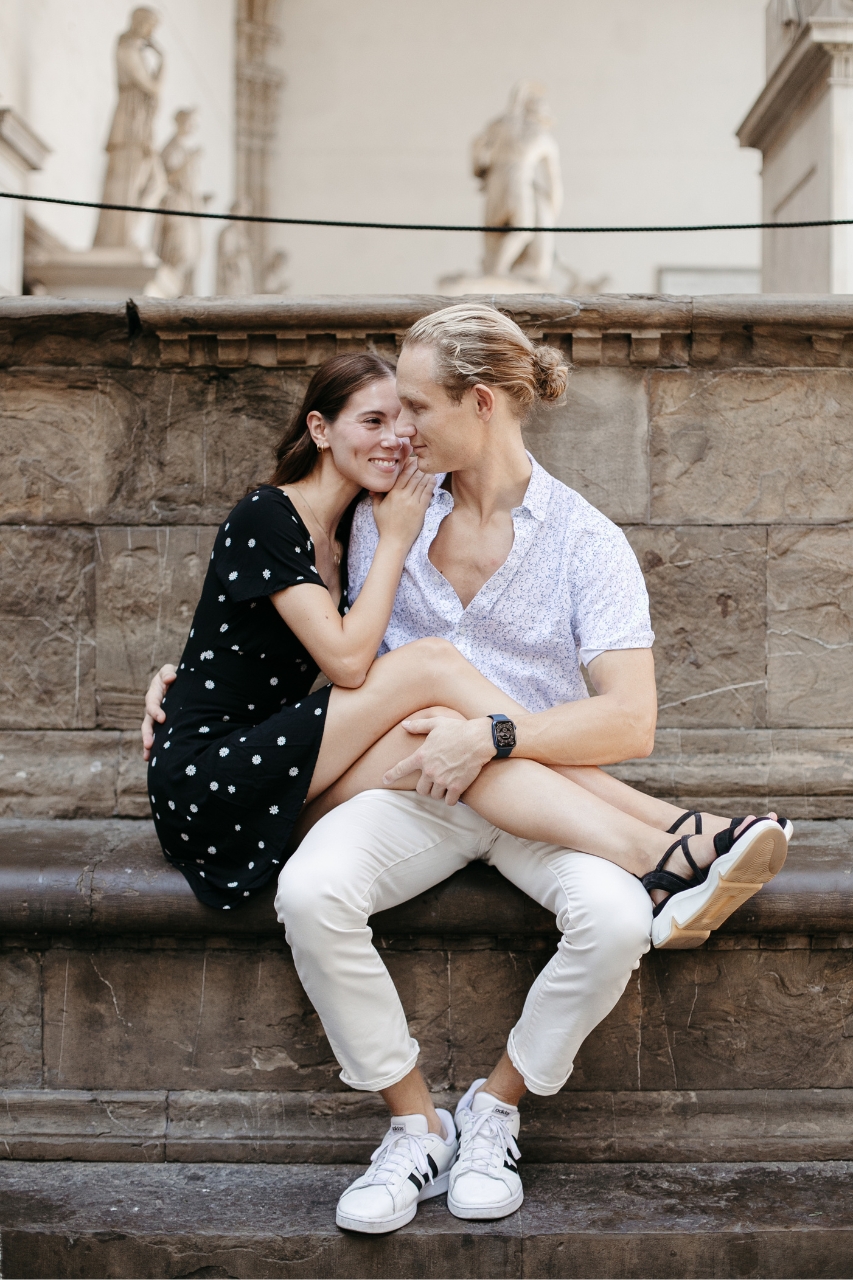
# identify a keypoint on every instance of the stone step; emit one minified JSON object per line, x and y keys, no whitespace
{"x":619,"y":1220}
{"x":138,"y":1025}
{"x":108,"y":876}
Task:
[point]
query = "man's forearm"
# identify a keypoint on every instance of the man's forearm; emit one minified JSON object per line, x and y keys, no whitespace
{"x":595,"y":731}
{"x":617,"y":725}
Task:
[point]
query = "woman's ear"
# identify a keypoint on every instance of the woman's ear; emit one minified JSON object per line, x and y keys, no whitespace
{"x":317,"y":426}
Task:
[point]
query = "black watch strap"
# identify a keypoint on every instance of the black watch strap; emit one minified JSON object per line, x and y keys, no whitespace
{"x":503,"y":735}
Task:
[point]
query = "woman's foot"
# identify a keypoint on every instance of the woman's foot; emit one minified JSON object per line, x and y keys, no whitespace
{"x":695,"y":892}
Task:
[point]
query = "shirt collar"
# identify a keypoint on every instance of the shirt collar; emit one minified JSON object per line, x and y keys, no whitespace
{"x":535,"y":500}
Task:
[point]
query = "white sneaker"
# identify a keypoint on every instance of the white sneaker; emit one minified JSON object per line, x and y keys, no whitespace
{"x":484,"y":1181}
{"x":410,"y":1164}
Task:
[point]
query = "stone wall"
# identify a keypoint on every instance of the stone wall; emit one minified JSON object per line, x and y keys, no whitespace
{"x":716,"y":431}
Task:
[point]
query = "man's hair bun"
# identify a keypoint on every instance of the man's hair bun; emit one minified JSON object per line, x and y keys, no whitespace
{"x":552,"y":373}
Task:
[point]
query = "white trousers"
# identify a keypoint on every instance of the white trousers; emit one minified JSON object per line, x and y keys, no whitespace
{"x":382,"y":848}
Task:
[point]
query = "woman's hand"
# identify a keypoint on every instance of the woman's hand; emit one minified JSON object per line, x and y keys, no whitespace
{"x":153,"y":711}
{"x":399,"y":513}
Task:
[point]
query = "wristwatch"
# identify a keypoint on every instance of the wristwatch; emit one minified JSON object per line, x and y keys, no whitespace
{"x":503,"y":735}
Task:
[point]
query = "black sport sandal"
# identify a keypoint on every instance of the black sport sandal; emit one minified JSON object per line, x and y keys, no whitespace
{"x":696,"y":907}
{"x":784,"y":823}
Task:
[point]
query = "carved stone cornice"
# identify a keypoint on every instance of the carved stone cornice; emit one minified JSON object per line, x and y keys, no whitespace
{"x":769,"y":330}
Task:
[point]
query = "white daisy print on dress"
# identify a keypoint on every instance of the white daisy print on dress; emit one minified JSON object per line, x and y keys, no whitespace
{"x":190,"y":769}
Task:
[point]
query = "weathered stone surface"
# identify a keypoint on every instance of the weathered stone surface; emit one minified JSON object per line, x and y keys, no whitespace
{"x":743,"y":447}
{"x":132,"y":786}
{"x":597,"y":442}
{"x":707,"y":593}
{"x":47,"y":628}
{"x":58,"y":774}
{"x":805,"y":773}
{"x":72,"y":1124}
{"x":747,"y":1019}
{"x":148,"y":583}
{"x":330,"y":1127}
{"x":20,"y":1020}
{"x":180,"y":1019}
{"x":810,"y":627}
{"x":625,"y":1220}
{"x":64,"y":439}
{"x":200,"y":437}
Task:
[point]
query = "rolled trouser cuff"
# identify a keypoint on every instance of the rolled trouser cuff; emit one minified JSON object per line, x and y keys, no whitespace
{"x":384,"y":1082}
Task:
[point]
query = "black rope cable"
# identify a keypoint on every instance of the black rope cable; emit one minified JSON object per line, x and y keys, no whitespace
{"x":421,"y":226}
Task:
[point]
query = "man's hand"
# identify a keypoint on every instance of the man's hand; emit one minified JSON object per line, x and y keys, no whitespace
{"x":153,"y":711}
{"x":450,"y":757}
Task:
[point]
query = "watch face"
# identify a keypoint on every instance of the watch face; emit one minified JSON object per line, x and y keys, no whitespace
{"x":504,"y":734}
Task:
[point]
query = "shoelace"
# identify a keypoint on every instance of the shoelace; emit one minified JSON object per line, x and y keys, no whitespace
{"x":395,"y":1154}
{"x":486,"y":1136}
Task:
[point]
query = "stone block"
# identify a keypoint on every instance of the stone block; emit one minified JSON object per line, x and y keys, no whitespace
{"x":20,"y":1020}
{"x":148,"y":583}
{"x":597,"y":442}
{"x":751,"y":446}
{"x":203,"y":437}
{"x":58,"y":774}
{"x":64,"y":439}
{"x":810,"y":627}
{"x":707,"y":593}
{"x":47,"y":606}
{"x":170,"y":1019}
{"x":747,"y":1019}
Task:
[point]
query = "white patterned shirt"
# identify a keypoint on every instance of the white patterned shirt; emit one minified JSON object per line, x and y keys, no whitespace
{"x":569,"y":589}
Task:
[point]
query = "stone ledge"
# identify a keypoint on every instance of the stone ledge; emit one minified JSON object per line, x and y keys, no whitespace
{"x":627,"y":1220}
{"x":609,"y":329}
{"x":109,"y":877}
{"x":805,"y":773}
{"x":292,"y":1127}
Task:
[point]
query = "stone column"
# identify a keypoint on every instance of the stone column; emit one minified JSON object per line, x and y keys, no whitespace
{"x":257,"y":88}
{"x":802,"y":122}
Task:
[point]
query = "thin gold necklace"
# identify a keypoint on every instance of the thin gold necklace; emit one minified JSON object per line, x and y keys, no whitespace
{"x":336,"y":555}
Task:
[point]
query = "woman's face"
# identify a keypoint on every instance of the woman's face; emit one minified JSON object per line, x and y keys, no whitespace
{"x":362,"y":440}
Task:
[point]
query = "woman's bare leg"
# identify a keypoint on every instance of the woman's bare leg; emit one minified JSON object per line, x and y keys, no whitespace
{"x":430,"y":671}
{"x":528,"y":800}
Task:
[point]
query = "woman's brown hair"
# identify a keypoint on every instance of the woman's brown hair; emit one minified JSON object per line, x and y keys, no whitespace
{"x":328,"y":391}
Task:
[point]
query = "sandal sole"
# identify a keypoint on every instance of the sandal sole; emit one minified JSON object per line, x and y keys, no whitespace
{"x":732,"y":880}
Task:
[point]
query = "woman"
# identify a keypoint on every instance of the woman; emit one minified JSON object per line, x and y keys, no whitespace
{"x":244,"y":744}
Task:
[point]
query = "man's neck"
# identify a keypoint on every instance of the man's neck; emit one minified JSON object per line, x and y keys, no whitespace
{"x":497,"y":483}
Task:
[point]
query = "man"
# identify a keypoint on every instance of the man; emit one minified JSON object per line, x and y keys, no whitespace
{"x":518,"y":572}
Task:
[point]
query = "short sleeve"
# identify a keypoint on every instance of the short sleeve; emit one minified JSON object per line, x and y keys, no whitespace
{"x":263,"y":547}
{"x":363,"y":541}
{"x":610,"y":601}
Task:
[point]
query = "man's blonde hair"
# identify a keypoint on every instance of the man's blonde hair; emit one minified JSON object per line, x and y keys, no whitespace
{"x":474,"y":342}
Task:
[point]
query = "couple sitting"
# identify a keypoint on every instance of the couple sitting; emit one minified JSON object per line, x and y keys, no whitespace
{"x":483,"y":583}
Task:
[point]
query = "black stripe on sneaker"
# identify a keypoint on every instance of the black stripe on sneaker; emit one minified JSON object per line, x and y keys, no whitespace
{"x":509,"y":1165}
{"x":432,"y":1166}
{"x":414,"y":1178}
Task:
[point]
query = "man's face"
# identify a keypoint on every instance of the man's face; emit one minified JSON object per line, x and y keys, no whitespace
{"x":445,"y":435}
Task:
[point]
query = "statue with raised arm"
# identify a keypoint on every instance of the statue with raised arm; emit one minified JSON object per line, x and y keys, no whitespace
{"x":518,"y":164}
{"x":177,"y":240}
{"x":134,"y":170}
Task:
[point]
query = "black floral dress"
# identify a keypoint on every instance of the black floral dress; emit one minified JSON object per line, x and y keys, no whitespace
{"x":231,"y":765}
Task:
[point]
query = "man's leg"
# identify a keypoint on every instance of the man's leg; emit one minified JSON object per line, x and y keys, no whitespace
{"x":604,"y":915}
{"x":376,"y":850}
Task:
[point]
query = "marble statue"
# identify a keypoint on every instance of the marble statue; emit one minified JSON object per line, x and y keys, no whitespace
{"x":235,"y":277}
{"x":518,"y":164}
{"x":134,"y":170}
{"x":177,"y":241}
